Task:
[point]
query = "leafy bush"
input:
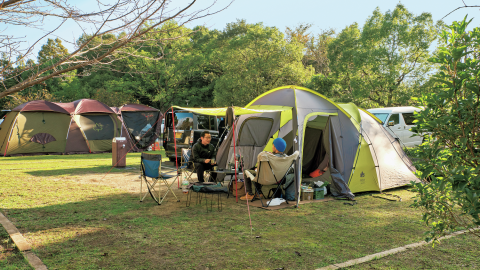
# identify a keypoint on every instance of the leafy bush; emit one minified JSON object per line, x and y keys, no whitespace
{"x":449,"y":160}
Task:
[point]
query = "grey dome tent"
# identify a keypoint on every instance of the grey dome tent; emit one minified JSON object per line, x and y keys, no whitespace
{"x":361,"y":155}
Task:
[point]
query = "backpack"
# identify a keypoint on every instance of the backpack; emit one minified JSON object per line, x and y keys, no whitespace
{"x":240,"y":188}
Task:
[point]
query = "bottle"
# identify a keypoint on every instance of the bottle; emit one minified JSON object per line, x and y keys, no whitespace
{"x":185,"y":184}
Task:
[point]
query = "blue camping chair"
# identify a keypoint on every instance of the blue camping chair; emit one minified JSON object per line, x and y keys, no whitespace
{"x":151,"y":168}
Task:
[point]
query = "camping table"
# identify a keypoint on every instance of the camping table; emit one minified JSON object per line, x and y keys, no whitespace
{"x":227,"y":172}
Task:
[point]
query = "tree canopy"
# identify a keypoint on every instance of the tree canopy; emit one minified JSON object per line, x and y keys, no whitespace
{"x":385,"y":62}
{"x":382,"y":63}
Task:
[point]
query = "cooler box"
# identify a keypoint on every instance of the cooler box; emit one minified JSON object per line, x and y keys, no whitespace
{"x":318,"y":193}
{"x":119,"y":152}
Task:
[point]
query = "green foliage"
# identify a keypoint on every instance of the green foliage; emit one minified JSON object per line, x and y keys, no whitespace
{"x":449,"y":160}
{"x":322,"y":84}
{"x":254,"y":59}
{"x":382,"y":64}
{"x":385,"y":62}
{"x":316,"y":47}
{"x":54,"y":49}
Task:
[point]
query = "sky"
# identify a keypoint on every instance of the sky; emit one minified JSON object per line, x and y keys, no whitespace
{"x":331,"y":14}
{"x":321,"y":14}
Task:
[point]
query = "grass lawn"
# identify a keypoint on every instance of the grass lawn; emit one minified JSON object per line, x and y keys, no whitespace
{"x":77,"y":217}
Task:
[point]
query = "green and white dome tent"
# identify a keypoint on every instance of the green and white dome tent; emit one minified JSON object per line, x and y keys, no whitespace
{"x":361,"y":154}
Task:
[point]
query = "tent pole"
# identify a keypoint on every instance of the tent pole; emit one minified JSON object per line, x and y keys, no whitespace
{"x":235,"y":161}
{"x":175,"y":142}
{"x":10,"y":136}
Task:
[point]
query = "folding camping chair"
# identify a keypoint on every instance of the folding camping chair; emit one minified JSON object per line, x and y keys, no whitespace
{"x":151,"y":168}
{"x":187,"y":167}
{"x":272,"y":170}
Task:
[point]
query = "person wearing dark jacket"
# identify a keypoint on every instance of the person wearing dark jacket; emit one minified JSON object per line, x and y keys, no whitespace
{"x":203,"y":154}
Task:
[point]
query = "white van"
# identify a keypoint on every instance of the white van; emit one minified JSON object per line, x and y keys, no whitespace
{"x":398,"y":121}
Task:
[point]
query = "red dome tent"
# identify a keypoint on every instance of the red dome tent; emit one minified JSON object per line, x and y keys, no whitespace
{"x":35,"y":127}
{"x":81,"y":126}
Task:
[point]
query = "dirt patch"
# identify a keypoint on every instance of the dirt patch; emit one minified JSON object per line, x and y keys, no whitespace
{"x":129,"y":180}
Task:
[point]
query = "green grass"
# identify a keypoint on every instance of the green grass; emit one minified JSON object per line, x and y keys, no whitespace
{"x":460,"y":252}
{"x":75,"y":225}
{"x":10,"y":257}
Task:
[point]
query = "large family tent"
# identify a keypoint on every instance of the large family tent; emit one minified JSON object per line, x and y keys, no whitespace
{"x":92,"y":127}
{"x":81,"y":126}
{"x":36,"y":127}
{"x":360,"y":154}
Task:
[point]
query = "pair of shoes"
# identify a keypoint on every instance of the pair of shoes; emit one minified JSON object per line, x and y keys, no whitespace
{"x":250,"y":197}
{"x":246,"y":197}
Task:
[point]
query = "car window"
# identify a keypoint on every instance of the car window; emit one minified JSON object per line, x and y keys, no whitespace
{"x":408,"y":117}
{"x":381,"y":116}
{"x":212,"y":122}
{"x":184,"y":121}
{"x":395,"y":118}
{"x":204,"y":122}
{"x":168,"y":120}
{"x":221,"y":122}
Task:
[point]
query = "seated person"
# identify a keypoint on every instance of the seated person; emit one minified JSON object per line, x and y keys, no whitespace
{"x":203,"y":155}
{"x":278,"y":147}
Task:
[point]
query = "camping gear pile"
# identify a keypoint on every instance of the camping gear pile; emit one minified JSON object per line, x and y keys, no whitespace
{"x":81,"y":126}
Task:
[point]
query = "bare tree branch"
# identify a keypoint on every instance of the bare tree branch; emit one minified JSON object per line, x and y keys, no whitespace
{"x":133,"y":18}
{"x":464,"y":6}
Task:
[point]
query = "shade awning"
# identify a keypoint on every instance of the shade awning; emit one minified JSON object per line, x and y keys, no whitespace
{"x":237,"y":110}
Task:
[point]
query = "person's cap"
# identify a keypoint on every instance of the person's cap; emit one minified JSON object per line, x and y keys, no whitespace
{"x":280,"y":144}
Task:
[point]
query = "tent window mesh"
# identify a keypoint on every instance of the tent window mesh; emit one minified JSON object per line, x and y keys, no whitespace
{"x":141,"y":125}
{"x":97,"y":127}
